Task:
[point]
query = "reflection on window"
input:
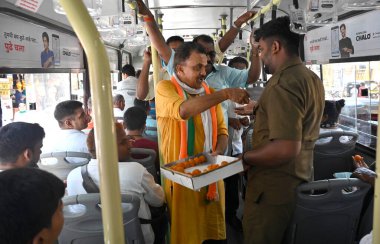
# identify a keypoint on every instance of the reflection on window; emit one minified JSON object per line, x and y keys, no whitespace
{"x":358,"y":84}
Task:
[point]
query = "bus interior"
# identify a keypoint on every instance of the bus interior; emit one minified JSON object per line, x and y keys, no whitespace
{"x":29,"y":91}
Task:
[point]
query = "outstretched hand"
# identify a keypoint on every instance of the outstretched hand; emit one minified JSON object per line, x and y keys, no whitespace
{"x":234,"y":123}
{"x":246,"y":110}
{"x":362,"y":171}
{"x":244,"y":121}
{"x":237,"y":95}
{"x":359,"y":162}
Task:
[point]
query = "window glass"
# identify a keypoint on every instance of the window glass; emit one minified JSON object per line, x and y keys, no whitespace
{"x":34,"y":96}
{"x":77,"y":91}
{"x":114,"y":79}
{"x":358,"y":84}
{"x":316,"y":68}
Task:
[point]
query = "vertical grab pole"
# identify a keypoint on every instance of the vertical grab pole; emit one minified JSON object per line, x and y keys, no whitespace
{"x":155,"y":58}
{"x":376,"y":203}
{"x":100,"y":81}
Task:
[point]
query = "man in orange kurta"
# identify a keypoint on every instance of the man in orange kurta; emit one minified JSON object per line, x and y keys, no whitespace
{"x":194,"y":220}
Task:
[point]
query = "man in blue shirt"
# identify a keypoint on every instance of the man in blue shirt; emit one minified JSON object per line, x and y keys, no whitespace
{"x":218,"y":76}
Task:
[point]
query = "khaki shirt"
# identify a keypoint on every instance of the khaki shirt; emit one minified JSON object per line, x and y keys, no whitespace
{"x":290,"y":108}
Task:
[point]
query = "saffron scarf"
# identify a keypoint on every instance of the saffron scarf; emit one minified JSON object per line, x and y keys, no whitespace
{"x":188,"y":132}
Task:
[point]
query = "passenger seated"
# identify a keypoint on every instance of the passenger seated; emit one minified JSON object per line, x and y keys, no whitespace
{"x":30,"y":206}
{"x":20,"y":145}
{"x":365,"y":174}
{"x":133,"y":178}
{"x":151,"y":123}
{"x":330,"y":120}
{"x":118,"y":107}
{"x":72,"y":120}
{"x":134,"y":124}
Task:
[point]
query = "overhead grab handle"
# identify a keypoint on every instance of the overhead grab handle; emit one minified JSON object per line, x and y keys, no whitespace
{"x":271,"y":6}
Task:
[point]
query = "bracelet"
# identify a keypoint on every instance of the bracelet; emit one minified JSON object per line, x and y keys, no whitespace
{"x":148,"y":19}
{"x":235,"y":26}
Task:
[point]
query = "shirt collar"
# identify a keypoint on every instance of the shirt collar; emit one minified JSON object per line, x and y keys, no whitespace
{"x":291,"y":62}
{"x":215,"y":68}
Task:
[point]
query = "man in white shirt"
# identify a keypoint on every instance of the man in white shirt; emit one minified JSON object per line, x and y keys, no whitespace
{"x":134,"y":178}
{"x":118,"y":106}
{"x":20,"y":145}
{"x":72,"y":120}
{"x":127,"y":86}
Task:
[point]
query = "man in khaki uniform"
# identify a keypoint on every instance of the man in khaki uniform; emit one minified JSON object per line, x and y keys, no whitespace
{"x":287,"y":119}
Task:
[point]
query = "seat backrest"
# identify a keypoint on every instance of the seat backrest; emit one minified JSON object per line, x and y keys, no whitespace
{"x":327,"y":211}
{"x":247,"y":138}
{"x":58,"y":163}
{"x":83,"y":223}
{"x":366,"y":221}
{"x":150,"y":133}
{"x":335,"y":154}
{"x":146,"y":157}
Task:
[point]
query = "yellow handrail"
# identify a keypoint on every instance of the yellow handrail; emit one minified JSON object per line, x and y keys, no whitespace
{"x":376,"y":200}
{"x":263,"y":10}
{"x":100,"y":81}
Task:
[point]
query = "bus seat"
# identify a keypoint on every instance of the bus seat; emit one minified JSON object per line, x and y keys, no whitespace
{"x":83,"y":219}
{"x":147,"y":158}
{"x":328,"y":217}
{"x":335,"y":155}
{"x":366,"y":222}
{"x":247,"y":138}
{"x":150,"y":133}
{"x":57,"y":162}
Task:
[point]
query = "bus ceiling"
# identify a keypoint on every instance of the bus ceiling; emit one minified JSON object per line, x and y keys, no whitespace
{"x":120,"y":26}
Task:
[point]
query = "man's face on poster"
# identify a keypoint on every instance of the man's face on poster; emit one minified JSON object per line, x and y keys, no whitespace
{"x":343,"y":31}
{"x":46,"y":43}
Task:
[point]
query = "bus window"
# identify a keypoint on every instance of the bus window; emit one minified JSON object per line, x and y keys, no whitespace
{"x":316,"y":68}
{"x":42,"y":92}
{"x":77,"y":91}
{"x":358,"y":84}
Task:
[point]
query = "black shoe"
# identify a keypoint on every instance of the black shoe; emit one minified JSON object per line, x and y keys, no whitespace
{"x":235,"y":223}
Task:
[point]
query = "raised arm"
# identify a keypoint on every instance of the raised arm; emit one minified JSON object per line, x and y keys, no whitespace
{"x":143,"y":82}
{"x":197,"y":105}
{"x":155,"y":35}
{"x":229,"y":37}
{"x":255,"y":68}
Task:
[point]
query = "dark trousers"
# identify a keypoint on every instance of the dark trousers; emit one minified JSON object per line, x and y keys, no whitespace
{"x":231,"y":185}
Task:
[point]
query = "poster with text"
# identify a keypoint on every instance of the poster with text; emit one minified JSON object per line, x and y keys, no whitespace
{"x":354,"y":37}
{"x":26,"y":45}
